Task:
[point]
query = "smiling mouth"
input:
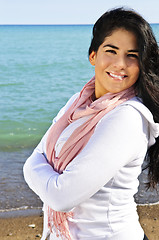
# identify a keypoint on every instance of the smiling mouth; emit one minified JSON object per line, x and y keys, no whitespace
{"x":117,"y":77}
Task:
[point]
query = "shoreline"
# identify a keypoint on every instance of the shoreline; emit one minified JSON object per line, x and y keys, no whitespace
{"x":21,"y":212}
{"x":35,"y":211}
{"x":29,"y":227}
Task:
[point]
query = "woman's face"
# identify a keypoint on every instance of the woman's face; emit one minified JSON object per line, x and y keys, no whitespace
{"x":116,"y":63}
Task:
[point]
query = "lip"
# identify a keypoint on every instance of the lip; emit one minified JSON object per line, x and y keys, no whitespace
{"x":117,"y":76}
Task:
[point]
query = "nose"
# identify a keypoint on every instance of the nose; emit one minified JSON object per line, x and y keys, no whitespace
{"x":120,"y":62}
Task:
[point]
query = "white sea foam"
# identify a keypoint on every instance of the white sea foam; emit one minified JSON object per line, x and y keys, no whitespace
{"x":21,"y":211}
{"x":148,"y":204}
{"x":20,"y":208}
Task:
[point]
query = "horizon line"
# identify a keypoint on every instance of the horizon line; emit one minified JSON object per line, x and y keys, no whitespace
{"x":53,"y":24}
{"x":47,"y":24}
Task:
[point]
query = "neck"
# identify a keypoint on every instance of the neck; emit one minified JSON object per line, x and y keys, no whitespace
{"x":99,"y":90}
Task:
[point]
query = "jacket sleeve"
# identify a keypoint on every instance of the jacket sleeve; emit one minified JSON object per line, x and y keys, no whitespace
{"x":119,"y":138}
{"x":39,"y":152}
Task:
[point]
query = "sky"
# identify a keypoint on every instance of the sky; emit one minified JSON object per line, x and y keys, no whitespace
{"x":70,"y":11}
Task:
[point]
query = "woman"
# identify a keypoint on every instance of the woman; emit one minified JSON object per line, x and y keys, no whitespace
{"x":85,"y":168}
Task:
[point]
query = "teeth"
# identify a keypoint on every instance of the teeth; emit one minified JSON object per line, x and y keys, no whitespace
{"x":116,"y":76}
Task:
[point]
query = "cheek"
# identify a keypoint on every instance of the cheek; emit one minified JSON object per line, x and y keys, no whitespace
{"x":135,"y":70}
{"x":103,"y":62}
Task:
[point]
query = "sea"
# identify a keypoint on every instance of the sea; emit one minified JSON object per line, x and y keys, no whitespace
{"x":41,"y":67}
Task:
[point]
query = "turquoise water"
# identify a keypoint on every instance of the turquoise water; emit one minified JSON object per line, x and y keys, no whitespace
{"x":40,"y":68}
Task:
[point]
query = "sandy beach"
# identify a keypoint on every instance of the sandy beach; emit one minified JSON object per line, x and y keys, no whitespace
{"x":30,"y":227}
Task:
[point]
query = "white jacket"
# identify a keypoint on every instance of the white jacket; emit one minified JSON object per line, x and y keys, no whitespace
{"x":99,"y":184}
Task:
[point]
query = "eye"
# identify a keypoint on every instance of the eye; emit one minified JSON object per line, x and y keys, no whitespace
{"x":132,"y":55}
{"x":110,"y":51}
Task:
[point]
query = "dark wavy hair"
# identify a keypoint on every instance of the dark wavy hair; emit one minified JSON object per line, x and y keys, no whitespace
{"x":147,"y":85}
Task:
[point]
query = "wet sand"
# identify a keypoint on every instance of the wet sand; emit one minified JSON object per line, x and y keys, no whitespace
{"x":30,"y":227}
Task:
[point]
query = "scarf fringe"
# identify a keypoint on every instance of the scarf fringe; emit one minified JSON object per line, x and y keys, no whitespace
{"x":59,"y":222}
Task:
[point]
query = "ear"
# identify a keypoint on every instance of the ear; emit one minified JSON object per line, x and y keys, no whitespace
{"x":92,"y":58}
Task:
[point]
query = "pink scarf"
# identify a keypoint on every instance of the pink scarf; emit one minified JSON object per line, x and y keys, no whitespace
{"x":82,"y":106}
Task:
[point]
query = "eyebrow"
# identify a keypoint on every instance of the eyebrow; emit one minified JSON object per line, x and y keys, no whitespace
{"x":114,"y":47}
{"x":110,"y":45}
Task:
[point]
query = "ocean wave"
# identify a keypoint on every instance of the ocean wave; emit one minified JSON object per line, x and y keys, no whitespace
{"x":11,"y":84}
{"x":13,"y":141}
{"x":21,"y":211}
{"x":20,"y":208}
{"x":148,"y":204}
{"x":16,"y":135}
